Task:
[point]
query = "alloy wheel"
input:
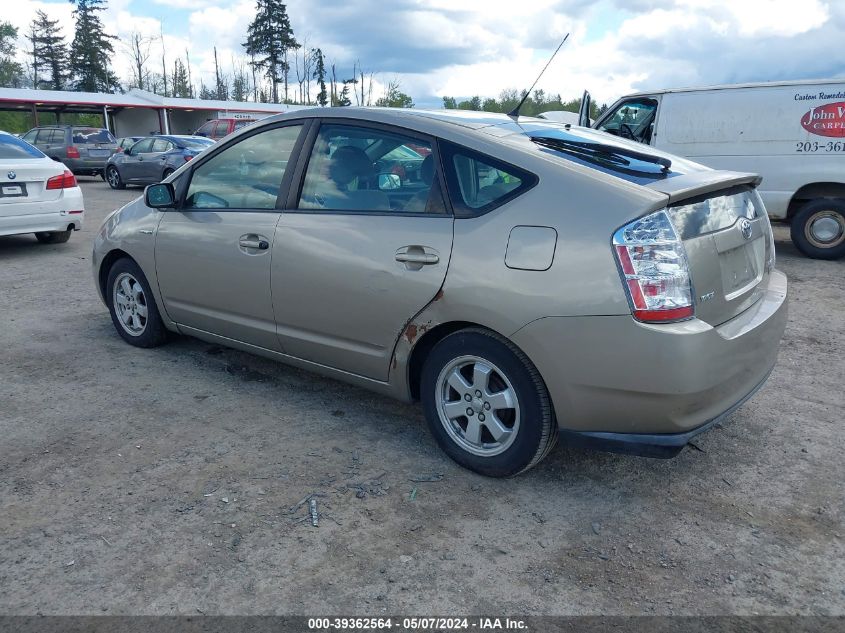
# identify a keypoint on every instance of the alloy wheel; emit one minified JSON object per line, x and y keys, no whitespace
{"x":130,"y":304}
{"x":477,"y":405}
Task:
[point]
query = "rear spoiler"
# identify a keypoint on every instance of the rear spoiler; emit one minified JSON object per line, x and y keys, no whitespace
{"x":701,"y":183}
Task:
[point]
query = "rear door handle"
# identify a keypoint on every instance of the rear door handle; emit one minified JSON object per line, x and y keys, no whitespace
{"x":417,"y":256}
{"x":259,"y":244}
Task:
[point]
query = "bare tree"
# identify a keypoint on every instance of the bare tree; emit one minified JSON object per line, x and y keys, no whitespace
{"x":190,"y":81}
{"x":139,"y":52}
{"x":163,"y":61}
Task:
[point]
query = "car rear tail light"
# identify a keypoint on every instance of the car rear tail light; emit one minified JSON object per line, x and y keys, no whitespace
{"x":72,"y":152}
{"x":65,"y":181}
{"x":188,"y":157}
{"x":654,"y":264}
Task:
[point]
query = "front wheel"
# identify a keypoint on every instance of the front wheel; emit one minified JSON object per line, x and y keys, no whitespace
{"x":486,"y":404}
{"x":818,"y":229}
{"x":114,"y":179}
{"x":132,"y":306}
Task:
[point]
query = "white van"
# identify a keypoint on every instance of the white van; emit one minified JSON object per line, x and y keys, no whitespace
{"x":791,"y":133}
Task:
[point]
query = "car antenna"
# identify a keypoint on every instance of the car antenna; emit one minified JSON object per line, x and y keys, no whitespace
{"x":515,"y":112}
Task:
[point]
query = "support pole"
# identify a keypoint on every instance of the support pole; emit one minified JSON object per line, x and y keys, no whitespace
{"x":166,"y":121}
{"x":106,"y":118}
{"x":35,"y":115}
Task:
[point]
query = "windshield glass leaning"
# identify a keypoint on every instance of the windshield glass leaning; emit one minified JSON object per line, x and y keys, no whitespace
{"x":11,"y":147}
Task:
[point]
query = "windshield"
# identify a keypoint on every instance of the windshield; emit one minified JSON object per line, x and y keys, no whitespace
{"x":12,"y":147}
{"x":92,"y":135}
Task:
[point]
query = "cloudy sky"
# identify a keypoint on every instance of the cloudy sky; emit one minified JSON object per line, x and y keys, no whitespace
{"x":466,"y":47}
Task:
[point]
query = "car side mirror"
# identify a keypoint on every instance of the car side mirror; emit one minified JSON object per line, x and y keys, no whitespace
{"x":389,"y":182}
{"x":160,"y":196}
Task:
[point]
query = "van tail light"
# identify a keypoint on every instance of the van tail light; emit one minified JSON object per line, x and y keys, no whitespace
{"x":72,"y":152}
{"x":654,"y":265}
{"x":66,"y":181}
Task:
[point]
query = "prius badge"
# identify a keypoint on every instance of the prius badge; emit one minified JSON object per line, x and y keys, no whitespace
{"x":11,"y":175}
{"x":745,"y":228}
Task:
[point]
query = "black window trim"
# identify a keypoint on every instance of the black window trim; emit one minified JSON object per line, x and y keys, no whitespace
{"x":292,"y":202}
{"x":528,"y":180}
{"x":184,"y":180}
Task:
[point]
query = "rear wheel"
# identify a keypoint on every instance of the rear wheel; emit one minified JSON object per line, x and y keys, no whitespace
{"x":486,"y":404}
{"x":133,"y":309}
{"x":166,"y":173}
{"x":114,"y":179}
{"x":53,"y":237}
{"x":818,"y":229}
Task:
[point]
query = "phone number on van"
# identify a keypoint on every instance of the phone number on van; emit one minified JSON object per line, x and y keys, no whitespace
{"x":815,"y":146}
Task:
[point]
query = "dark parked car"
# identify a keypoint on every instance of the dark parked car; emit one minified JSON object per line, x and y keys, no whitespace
{"x":83,"y":150}
{"x":152,"y":159}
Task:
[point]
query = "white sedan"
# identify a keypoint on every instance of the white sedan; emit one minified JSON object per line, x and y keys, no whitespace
{"x":37,"y":194}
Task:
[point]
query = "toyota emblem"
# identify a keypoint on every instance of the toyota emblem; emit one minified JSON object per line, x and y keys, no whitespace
{"x":11,"y":175}
{"x":745,"y":228}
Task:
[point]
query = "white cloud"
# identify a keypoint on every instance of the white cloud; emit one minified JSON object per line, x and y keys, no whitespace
{"x":465,"y":47}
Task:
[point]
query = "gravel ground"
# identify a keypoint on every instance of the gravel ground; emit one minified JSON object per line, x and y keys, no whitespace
{"x":168,"y":481}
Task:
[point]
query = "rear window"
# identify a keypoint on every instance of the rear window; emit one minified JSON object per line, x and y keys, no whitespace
{"x":12,"y":147}
{"x":479,"y":183}
{"x":84,"y":135}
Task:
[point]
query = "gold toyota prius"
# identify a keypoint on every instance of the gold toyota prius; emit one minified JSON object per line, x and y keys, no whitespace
{"x":525,"y":280}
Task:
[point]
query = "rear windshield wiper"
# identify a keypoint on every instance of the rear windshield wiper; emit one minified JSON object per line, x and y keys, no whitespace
{"x":602,"y":154}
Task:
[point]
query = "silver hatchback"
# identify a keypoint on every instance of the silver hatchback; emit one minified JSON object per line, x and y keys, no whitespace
{"x":525,"y":280}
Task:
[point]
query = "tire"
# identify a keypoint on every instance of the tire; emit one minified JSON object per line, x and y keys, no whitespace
{"x":818,"y":229}
{"x":132,"y":305}
{"x":166,"y":173}
{"x":114,"y":179}
{"x":526,"y":427}
{"x":53,"y":237}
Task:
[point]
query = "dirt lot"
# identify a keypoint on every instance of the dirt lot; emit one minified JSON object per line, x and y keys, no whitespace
{"x":166,"y":481}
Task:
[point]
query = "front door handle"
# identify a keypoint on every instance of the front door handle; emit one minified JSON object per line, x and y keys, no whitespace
{"x":261,"y":245}
{"x":415,"y":257}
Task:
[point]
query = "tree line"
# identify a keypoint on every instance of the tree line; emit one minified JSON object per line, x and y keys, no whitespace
{"x":274,"y":67}
{"x":536,"y":103}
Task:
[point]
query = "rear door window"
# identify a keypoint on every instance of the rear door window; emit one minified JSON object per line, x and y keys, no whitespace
{"x":361,"y":169}
{"x":479,"y":183}
{"x":44,"y":136}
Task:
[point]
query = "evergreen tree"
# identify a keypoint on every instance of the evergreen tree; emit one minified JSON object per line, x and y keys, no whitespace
{"x":343,"y":99}
{"x":269,"y":38}
{"x":179,"y":80}
{"x":11,"y":72}
{"x":91,"y":49}
{"x":320,"y":76}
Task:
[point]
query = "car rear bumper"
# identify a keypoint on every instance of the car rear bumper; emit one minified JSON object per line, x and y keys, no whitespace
{"x":86,"y":166}
{"x":35,"y":217}
{"x":612,"y":376}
